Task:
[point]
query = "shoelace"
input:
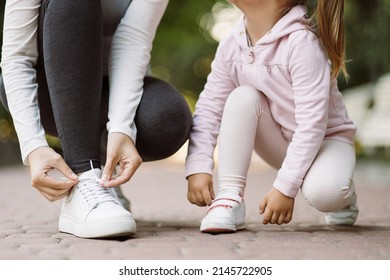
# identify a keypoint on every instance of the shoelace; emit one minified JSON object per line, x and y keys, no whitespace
{"x":94,"y":193}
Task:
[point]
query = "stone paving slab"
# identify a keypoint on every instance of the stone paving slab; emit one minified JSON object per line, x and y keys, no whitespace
{"x":168,"y":226}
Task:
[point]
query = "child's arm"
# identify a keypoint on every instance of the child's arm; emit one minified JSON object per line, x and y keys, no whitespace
{"x":200,"y":189}
{"x":205,"y":131}
{"x":276,"y":208}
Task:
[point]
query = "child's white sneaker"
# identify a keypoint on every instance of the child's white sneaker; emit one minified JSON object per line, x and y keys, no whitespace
{"x":226,"y":214}
{"x":347,"y":216}
{"x":92,"y":211}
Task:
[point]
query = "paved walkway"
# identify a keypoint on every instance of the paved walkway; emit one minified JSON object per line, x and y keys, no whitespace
{"x":168,"y":224}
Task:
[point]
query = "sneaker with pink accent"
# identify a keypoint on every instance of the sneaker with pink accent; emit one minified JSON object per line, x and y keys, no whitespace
{"x":226,"y":214}
{"x":344,"y":217}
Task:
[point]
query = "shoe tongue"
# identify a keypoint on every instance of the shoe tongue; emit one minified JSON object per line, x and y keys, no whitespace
{"x":93,"y":173}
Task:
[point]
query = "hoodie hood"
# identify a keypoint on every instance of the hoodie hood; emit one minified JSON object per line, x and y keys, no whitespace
{"x":296,"y":19}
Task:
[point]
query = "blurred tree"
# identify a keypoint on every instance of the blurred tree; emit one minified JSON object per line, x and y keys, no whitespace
{"x":368,"y":40}
{"x":182,"y":50}
{"x":7,"y":132}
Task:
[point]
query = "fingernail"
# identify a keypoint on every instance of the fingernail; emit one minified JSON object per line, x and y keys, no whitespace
{"x":104,"y":177}
{"x":74,"y":176}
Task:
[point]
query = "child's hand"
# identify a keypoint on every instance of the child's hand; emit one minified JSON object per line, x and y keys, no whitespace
{"x":200,"y":189}
{"x":277,"y":208}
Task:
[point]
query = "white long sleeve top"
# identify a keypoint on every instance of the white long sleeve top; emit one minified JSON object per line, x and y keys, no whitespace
{"x":127,"y":48}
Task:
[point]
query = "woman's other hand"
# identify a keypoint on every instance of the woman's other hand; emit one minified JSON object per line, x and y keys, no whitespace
{"x":43,"y":160}
{"x":120,"y":151}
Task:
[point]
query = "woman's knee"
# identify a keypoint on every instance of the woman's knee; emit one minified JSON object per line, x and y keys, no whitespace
{"x":163,"y":120}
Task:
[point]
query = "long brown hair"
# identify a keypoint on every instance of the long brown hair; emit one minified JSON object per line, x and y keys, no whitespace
{"x":329,"y":17}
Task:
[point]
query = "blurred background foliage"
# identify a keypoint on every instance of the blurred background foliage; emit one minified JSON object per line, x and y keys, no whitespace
{"x":190,"y":30}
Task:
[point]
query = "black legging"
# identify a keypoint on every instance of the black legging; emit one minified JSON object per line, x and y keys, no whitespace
{"x":73,"y":93}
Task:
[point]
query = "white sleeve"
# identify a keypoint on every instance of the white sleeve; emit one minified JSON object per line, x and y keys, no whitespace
{"x":19,"y":57}
{"x":129,"y":58}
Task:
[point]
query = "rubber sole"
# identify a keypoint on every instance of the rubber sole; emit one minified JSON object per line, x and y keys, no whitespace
{"x":98,"y":229}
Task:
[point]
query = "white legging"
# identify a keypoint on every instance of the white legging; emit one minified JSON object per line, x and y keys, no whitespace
{"x":247,"y":125}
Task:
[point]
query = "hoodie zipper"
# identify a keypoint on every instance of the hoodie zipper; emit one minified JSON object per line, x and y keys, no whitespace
{"x":251,"y":55}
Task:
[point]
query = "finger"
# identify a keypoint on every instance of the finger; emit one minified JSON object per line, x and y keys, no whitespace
{"x":275,"y":217}
{"x":45,"y":181}
{"x":194,"y":200}
{"x":288,"y":217}
{"x":281,"y":219}
{"x":199,"y":199}
{"x":190,"y":197}
{"x":207,"y":198}
{"x":61,"y":166}
{"x":109,"y":169}
{"x":123,"y":177}
{"x":53,"y":195}
{"x":267,"y":217}
{"x":211,"y":190}
{"x":262,"y":206}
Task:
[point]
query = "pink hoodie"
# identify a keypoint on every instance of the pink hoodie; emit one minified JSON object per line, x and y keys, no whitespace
{"x":289,"y":66}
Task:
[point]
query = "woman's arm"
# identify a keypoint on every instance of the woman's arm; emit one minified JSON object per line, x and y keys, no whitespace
{"x":130,"y":56}
{"x":19,"y":56}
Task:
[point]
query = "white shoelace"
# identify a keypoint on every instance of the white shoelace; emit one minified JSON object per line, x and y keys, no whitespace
{"x":93,"y":192}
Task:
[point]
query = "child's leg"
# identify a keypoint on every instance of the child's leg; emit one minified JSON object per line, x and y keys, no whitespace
{"x":328,"y":185}
{"x":246,"y":118}
{"x":247,"y":124}
{"x":69,"y":74}
{"x":241,"y":115}
{"x":237,"y":135}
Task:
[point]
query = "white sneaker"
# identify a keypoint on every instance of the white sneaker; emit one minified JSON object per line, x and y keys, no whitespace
{"x":118,"y":194}
{"x":92,"y":211}
{"x":347,"y":216}
{"x":226,"y":214}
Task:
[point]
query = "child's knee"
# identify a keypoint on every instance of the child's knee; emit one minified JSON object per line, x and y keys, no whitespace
{"x":328,"y":196}
{"x":244,"y":98}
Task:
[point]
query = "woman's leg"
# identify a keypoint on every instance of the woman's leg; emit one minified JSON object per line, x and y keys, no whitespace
{"x":69,"y":75}
{"x":163,"y":120}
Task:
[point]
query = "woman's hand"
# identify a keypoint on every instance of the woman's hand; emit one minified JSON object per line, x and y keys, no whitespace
{"x":120,"y":150}
{"x":43,"y":160}
{"x":277,"y":208}
{"x":200,"y":189}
